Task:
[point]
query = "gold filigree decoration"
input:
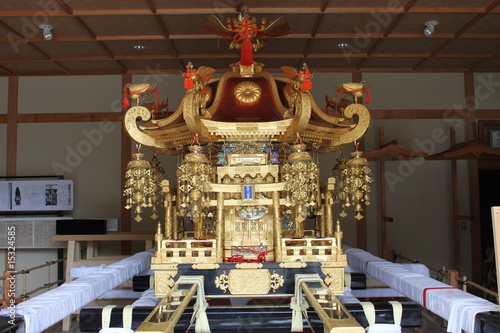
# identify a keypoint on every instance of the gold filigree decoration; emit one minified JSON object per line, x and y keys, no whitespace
{"x":358,"y":179}
{"x":277,"y":281}
{"x":341,"y":262}
{"x":334,"y":279}
{"x":250,"y":282}
{"x":205,"y":266}
{"x":193,"y":182}
{"x":293,"y":264}
{"x":222,"y":281}
{"x":247,"y":92}
{"x":164,"y":282}
{"x":301,"y":176}
{"x":249,"y":265}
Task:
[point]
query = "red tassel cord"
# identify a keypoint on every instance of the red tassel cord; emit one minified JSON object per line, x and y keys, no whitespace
{"x":246,"y":56}
{"x":306,"y":85}
{"x":368,"y":97}
{"x":156,"y":102}
{"x":246,"y":53}
{"x":125,"y":101}
{"x":307,"y":76}
{"x":261,"y":256}
{"x":188,"y":81}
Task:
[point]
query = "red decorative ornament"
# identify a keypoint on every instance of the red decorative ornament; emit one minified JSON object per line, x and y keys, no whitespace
{"x":368,"y":97}
{"x":261,"y":256}
{"x":246,"y":34}
{"x":125,"y":101}
{"x":246,"y":53}
{"x":188,"y":80}
{"x":307,"y":76}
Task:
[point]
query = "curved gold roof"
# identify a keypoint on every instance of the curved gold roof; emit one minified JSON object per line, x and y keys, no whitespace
{"x":240,"y":106}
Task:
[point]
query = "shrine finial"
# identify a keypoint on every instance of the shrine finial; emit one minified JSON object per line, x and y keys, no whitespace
{"x":246,"y":34}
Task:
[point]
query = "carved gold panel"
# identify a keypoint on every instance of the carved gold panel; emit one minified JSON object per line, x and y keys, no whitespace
{"x":249,"y":265}
{"x":293,"y":264}
{"x":249,"y":281}
{"x":205,"y":266}
{"x":164,"y":282}
{"x":334,"y":279}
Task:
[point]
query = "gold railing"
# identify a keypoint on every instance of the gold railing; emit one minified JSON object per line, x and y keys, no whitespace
{"x":188,"y":251}
{"x":309,"y":249}
{"x":9,"y":290}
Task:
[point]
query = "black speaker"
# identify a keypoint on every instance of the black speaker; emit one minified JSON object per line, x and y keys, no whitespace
{"x":81,"y":227}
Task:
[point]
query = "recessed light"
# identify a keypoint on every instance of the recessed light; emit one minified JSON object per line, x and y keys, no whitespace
{"x":342,"y":45}
{"x":139,"y":47}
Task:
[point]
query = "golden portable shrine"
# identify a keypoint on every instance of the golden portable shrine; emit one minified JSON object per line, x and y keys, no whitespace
{"x":249,"y":183}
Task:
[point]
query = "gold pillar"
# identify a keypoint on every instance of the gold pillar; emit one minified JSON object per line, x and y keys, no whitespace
{"x":168,"y":209}
{"x":277,"y":227}
{"x":323,"y":222}
{"x":219,"y":229}
{"x":338,"y":237}
{"x":328,"y":213}
{"x":175,"y":223}
{"x":158,"y":239}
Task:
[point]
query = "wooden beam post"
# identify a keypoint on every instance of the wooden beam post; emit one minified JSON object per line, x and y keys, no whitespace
{"x":126,"y":142}
{"x":475,"y":212}
{"x":454,"y":195}
{"x":383,"y":201}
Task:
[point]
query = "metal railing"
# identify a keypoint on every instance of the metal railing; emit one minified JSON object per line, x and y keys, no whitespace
{"x":8,"y":292}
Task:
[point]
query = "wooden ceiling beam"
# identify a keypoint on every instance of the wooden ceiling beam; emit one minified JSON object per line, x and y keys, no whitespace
{"x":387,"y":31}
{"x":112,"y":12}
{"x":314,"y":32}
{"x":11,"y":30}
{"x":447,"y":10}
{"x":30,"y":13}
{"x":292,"y":36}
{"x":65,"y":7}
{"x":151,"y":9}
{"x":131,"y":37}
{"x":260,"y":55}
{"x":6,"y":71}
{"x":68,"y":117}
{"x":94,"y":37}
{"x":164,"y":30}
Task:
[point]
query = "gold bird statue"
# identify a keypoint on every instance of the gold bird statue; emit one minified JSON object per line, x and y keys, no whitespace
{"x":137,"y":91}
{"x":356,"y":90}
{"x":197,"y":79}
{"x":300,"y":80}
{"x":245,"y":33}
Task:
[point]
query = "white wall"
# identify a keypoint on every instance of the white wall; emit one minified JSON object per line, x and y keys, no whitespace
{"x":415,"y":90}
{"x":87,"y":153}
{"x":70,"y":94}
{"x":487,"y":88}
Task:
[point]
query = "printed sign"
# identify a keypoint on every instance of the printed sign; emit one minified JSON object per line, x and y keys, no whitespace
{"x":36,"y":195}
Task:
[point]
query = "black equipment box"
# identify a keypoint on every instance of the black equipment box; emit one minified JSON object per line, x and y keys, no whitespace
{"x":81,"y":227}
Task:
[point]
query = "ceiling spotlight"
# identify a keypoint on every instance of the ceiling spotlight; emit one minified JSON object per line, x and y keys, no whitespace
{"x":47,"y":34}
{"x":342,"y":45}
{"x":139,"y":47}
{"x":429,"y":27}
